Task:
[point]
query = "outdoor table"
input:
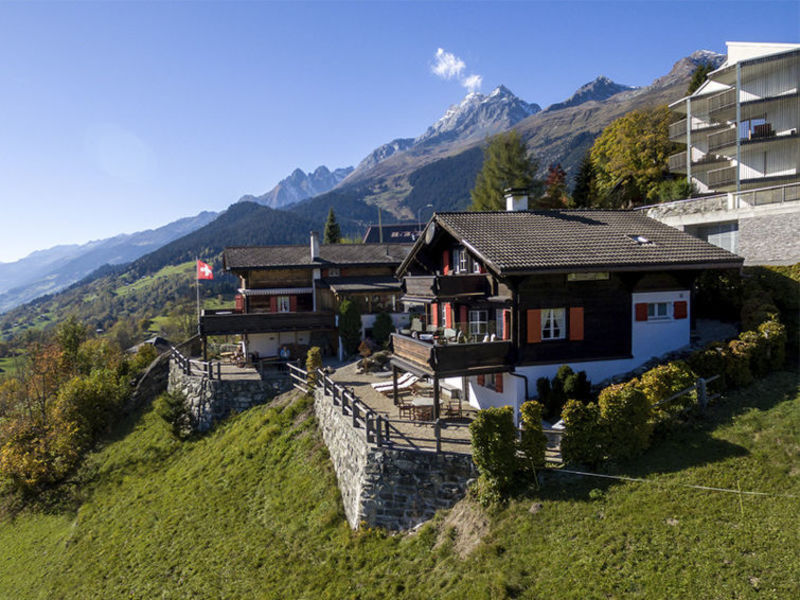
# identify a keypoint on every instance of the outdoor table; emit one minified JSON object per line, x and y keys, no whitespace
{"x":421,"y":405}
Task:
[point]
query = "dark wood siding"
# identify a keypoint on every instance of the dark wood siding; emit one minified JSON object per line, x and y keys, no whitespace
{"x":606,"y":318}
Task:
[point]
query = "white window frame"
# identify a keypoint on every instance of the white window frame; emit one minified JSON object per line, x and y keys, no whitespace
{"x":284,"y":304}
{"x":478,"y":322}
{"x":334,"y":272}
{"x":554,"y":324}
{"x":490,"y":381}
{"x":659,"y":311}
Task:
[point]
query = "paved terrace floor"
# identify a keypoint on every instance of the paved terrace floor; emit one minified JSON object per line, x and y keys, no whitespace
{"x":360,"y":383}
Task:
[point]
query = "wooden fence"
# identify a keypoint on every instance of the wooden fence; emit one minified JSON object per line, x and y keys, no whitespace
{"x":378,"y":429}
{"x":200,"y":368}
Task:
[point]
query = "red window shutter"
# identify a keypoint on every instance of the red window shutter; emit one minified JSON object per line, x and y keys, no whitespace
{"x":481,"y":380}
{"x":324,"y":272}
{"x":641,"y":311}
{"x":434,"y":314}
{"x":506,"y":324}
{"x":446,"y":262}
{"x":576,"y":323}
{"x":273,"y":304}
{"x":482,"y":269}
{"x":463,"y":316}
{"x":534,"y":326}
{"x":292,"y":303}
{"x":448,"y":315}
{"x":239,"y":299}
{"x":498,"y":383}
{"x":679,"y":309}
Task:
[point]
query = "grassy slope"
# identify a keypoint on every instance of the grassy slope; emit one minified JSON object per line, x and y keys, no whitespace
{"x":252,"y":510}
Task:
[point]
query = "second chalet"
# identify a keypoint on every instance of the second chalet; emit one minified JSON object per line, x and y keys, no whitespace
{"x":503,"y":298}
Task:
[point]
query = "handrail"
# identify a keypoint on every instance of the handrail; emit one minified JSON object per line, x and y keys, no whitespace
{"x":194,"y":367}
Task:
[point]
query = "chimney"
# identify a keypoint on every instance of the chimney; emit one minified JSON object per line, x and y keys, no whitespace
{"x":516,"y":199}
{"x":314,"y":245}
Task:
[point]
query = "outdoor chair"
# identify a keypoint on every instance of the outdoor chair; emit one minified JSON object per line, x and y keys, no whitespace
{"x":402,"y":388}
{"x":384,"y":384}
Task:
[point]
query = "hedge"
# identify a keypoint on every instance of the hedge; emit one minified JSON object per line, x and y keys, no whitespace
{"x":533,"y":441}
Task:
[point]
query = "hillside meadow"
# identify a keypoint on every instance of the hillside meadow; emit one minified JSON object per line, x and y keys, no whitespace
{"x":252,"y":510}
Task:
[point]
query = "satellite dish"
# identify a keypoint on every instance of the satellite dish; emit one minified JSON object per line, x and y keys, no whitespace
{"x":429,"y":233}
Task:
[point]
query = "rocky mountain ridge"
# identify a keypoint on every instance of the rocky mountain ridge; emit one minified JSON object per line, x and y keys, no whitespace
{"x":299,"y":186}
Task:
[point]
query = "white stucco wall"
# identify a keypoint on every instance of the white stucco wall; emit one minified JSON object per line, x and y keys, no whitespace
{"x":268,"y":344}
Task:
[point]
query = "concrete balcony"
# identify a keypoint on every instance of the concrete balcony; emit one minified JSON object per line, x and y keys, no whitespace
{"x":446,"y":286}
{"x":230,"y":323}
{"x":453,"y":359}
{"x":724,"y":140}
{"x":721,"y":177}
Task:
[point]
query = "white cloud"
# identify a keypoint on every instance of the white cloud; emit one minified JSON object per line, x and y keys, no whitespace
{"x":447,"y":65}
{"x":472,"y":82}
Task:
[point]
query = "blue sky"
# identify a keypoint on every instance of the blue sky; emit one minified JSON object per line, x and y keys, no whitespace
{"x":117,"y":117}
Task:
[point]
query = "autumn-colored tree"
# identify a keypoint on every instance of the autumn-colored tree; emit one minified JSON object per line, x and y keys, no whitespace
{"x":630,"y":158}
{"x":555,"y":192}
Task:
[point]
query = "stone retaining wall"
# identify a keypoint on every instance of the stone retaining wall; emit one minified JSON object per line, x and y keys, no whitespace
{"x":211,"y":400}
{"x":395,"y":488}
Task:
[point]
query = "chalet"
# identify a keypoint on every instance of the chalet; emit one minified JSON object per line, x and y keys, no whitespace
{"x":503,"y":298}
{"x":396,"y":233}
{"x":289,"y":295}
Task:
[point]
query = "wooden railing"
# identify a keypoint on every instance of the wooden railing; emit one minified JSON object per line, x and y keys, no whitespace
{"x":198,"y":368}
{"x":231,"y":323}
{"x":446,"y":286}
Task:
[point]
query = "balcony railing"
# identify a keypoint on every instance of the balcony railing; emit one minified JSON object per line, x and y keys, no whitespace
{"x":677,"y":130}
{"x":677,"y":162}
{"x":722,"y":100}
{"x":453,"y":359}
{"x":721,"y":177}
{"x":722,"y":139}
{"x":446,"y":286}
{"x":233,"y":323}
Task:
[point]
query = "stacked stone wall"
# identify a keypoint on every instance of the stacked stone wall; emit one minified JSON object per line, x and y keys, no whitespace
{"x":211,"y":400}
{"x":390,"y":487}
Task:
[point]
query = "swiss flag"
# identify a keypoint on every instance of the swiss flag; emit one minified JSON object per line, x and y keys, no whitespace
{"x":204,"y":271}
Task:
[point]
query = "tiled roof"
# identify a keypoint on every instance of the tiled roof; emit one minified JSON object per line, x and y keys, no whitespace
{"x":360,"y":284}
{"x":524,"y":241}
{"x":281,"y":257}
{"x":396,"y":233}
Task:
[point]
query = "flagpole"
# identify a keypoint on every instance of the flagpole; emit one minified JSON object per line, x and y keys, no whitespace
{"x":197,"y":286}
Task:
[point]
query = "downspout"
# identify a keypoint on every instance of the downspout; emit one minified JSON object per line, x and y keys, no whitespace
{"x":516,"y":400}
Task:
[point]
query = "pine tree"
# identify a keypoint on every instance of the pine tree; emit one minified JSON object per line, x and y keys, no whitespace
{"x":584,"y":182}
{"x":333,"y":234}
{"x":699,"y":77}
{"x":506,"y":164}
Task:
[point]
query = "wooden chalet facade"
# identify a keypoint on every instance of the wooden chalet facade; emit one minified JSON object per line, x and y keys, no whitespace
{"x":289,"y":295}
{"x":508,"y":297}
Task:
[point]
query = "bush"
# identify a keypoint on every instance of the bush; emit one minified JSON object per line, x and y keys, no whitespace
{"x":533,"y":441}
{"x":143,"y":357}
{"x":349,"y":326}
{"x":774,"y":334}
{"x":382,"y":328}
{"x":173,"y":409}
{"x":709,"y":362}
{"x":737,"y":363}
{"x":626,"y":416}
{"x":757,"y":309}
{"x":663,"y":381}
{"x":91,"y":402}
{"x":313,"y":362}
{"x":494,"y":447}
{"x":566,"y":385}
{"x":758,"y":349}
{"x":583,"y":440}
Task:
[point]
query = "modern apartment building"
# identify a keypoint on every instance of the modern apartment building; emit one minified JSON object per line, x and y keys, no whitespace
{"x":741,"y":127}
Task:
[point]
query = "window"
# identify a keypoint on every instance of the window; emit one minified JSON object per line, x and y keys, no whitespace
{"x":553,"y":324}
{"x":334,"y":272}
{"x":491,"y":381}
{"x":478,"y":322}
{"x":284,"y":305}
{"x":462,"y":262}
{"x":657,"y":311}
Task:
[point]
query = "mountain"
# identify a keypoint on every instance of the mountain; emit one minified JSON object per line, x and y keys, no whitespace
{"x":48,"y":271}
{"x":684,"y":68}
{"x":477,"y":116}
{"x":299,"y":186}
{"x":598,"y":90}
{"x":383,"y":152}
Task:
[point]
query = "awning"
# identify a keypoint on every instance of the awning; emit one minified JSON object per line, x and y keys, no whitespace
{"x":274,"y":291}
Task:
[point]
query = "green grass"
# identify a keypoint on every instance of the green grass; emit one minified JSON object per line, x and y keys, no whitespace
{"x":251,"y":510}
{"x":149,"y":280}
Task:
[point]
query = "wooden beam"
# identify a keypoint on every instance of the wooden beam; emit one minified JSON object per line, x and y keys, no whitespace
{"x":435,"y":397}
{"x":395,"y":397}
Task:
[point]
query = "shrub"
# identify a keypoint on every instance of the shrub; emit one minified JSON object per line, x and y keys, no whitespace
{"x":756,"y":309}
{"x":567,"y":384}
{"x":382,"y":328}
{"x":578,"y":387}
{"x":583,"y":440}
{"x":173,"y":409}
{"x":494,"y":446}
{"x":737,"y":363}
{"x":533,"y":441}
{"x":143,"y":357}
{"x":626,"y":416}
{"x":708,"y":362}
{"x":313,"y":362}
{"x":91,"y":402}
{"x":663,"y":381}
{"x":350,"y":326}
{"x":774,"y":334}
{"x":758,"y":349}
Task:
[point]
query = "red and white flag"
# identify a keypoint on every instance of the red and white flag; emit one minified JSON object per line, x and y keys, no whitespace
{"x":204,"y":271}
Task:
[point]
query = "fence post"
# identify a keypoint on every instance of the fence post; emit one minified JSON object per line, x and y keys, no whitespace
{"x":378,"y":430}
{"x":437,"y":429}
{"x":367,"y":424}
{"x":702,"y":394}
{"x":209,"y":371}
{"x":219,"y":370}
{"x":354,"y":412}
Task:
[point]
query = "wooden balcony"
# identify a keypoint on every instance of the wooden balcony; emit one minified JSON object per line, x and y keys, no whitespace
{"x":451,"y":360}
{"x":447,"y":286}
{"x":236,"y":323}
